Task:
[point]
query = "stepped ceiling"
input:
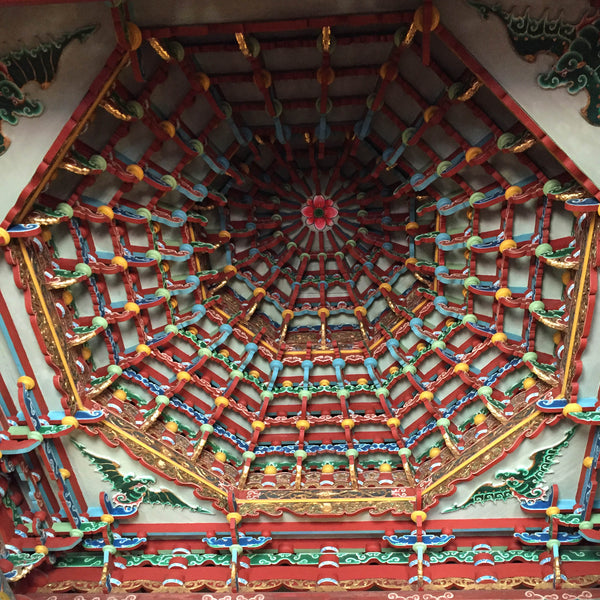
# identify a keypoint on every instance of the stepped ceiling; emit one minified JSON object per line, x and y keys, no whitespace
{"x":291,"y":275}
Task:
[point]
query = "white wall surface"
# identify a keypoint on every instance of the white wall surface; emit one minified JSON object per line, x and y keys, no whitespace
{"x":556,"y":111}
{"x":79,"y":65}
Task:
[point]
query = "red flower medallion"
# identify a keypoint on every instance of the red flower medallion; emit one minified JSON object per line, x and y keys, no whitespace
{"x":320,"y":212}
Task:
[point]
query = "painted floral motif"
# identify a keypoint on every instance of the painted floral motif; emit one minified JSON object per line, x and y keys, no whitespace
{"x":320,"y":212}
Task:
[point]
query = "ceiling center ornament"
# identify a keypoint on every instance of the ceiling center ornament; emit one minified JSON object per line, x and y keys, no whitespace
{"x":320,"y":212}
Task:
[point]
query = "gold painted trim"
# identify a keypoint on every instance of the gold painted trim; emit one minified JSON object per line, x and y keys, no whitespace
{"x":574,"y":321}
{"x":330,"y":499}
{"x":50,"y":323}
{"x":199,"y":478}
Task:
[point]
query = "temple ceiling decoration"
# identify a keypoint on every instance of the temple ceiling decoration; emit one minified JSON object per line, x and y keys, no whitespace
{"x":575,"y":47}
{"x":297,"y":283}
{"x":19,"y":67}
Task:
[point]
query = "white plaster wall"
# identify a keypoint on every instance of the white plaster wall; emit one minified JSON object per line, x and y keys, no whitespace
{"x":562,"y":473}
{"x":79,"y":65}
{"x":555,"y":111}
{"x":94,"y":484}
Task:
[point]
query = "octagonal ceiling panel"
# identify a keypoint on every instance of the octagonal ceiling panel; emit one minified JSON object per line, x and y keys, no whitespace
{"x":311,"y":269}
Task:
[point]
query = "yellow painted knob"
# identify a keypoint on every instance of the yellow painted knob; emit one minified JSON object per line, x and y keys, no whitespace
{"x":234,"y":516}
{"x":513,"y":190}
{"x":507,"y":245}
{"x":168,"y":128}
{"x":348,"y":423}
{"x":571,"y":408}
{"x":528,"y":383}
{"x":389,"y":71}
{"x":28,"y":382}
{"x":414,"y":516}
{"x":220,"y":456}
{"x":258,"y":425}
{"x":41,"y":549}
{"x":472,"y":153}
{"x":385,"y":468}
{"x":136,"y":171}
{"x":107,"y":211}
{"x":120,"y":395}
{"x":302,"y":424}
{"x":222,"y":401}
{"x":479,"y":419}
{"x":172,"y":427}
{"x":4,"y":237}
{"x":418,"y":18}
{"x":327,"y":469}
{"x":201,"y":81}
{"x":133,"y":307}
{"x":183,"y":376}
{"x":429,"y":113}
{"x":119,"y":261}
{"x":270,"y":470}
{"x":134,"y":36}
{"x":144,"y":349}
{"x":461,"y":367}
{"x":106,"y":518}
{"x":70,"y":421}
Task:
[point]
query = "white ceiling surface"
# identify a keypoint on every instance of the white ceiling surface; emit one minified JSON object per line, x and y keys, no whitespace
{"x":94,"y":484}
{"x":562,"y":472}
